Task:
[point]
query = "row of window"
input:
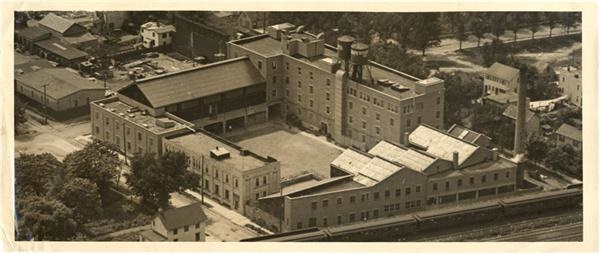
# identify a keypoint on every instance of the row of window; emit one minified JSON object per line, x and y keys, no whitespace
{"x":397,"y":206}
{"x":365,"y":197}
{"x":459,"y":182}
{"x":185,"y":228}
{"x":362,"y":216}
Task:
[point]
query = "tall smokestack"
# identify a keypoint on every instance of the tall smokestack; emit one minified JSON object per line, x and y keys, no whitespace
{"x":522,"y":106}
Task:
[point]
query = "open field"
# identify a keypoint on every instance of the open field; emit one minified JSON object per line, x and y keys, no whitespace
{"x":297,"y":151}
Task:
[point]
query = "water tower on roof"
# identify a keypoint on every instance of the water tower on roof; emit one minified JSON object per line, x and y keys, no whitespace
{"x":344,"y":49}
{"x":359,"y":58}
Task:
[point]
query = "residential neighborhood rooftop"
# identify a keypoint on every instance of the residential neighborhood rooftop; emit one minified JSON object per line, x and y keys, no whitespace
{"x":569,"y":131}
{"x":182,"y":216}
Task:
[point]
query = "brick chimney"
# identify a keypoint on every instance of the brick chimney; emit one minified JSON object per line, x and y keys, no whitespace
{"x":522,"y":108}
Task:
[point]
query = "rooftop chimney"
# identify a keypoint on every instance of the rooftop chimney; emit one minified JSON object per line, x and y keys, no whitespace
{"x":455,"y":160}
{"x":405,"y":138}
{"x":494,"y":154}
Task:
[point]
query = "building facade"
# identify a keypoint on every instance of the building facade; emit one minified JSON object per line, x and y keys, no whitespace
{"x":569,"y":135}
{"x":431,"y":168}
{"x":500,"y":78}
{"x":155,"y":34}
{"x":182,"y":224}
{"x":569,"y":83}
{"x":233,"y":176}
{"x":338,"y":91}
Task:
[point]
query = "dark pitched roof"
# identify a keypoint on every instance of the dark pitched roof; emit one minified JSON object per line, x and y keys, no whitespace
{"x":511,"y":112}
{"x":502,"y":71}
{"x":63,"y":50}
{"x":569,"y":132}
{"x":33,"y":33}
{"x":61,"y":82}
{"x":56,"y":23}
{"x":183,"y":216}
{"x":469,"y":135}
{"x":197,"y":82}
{"x":33,"y":66}
{"x":503,"y":98}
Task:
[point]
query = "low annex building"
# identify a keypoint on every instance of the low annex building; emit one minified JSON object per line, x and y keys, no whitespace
{"x":431,"y":168}
{"x":182,"y":224}
{"x":569,"y":135}
{"x":230,"y":174}
{"x":63,"y":91}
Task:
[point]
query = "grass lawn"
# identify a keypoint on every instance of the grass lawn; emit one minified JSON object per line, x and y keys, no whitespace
{"x":120,"y":213}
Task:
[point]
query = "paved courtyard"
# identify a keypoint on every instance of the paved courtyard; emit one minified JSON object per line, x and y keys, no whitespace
{"x":297,"y":151}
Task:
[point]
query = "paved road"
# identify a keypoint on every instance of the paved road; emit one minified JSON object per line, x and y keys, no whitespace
{"x":450,"y":44}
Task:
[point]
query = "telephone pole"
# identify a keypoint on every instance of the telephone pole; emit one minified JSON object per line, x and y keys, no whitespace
{"x":45,"y":104}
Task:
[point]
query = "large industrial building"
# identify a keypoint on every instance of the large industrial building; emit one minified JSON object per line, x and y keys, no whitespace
{"x":338,"y":91}
{"x":430,"y":168}
{"x":234,"y":176}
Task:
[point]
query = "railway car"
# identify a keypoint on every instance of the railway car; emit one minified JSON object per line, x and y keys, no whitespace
{"x":375,"y":230}
{"x":304,"y":235}
{"x":451,"y":216}
{"x":541,"y":202}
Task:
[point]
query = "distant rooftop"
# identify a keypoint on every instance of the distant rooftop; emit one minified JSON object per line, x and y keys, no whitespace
{"x":57,"y":23}
{"x":502,"y":71}
{"x":503,"y":98}
{"x":402,"y":155}
{"x":204,"y":144}
{"x":440,"y":143}
{"x":469,"y":135}
{"x":63,"y":50}
{"x":32,"y":66}
{"x":569,"y":131}
{"x":147,"y":121}
{"x":486,"y":166}
{"x":511,"y":112}
{"x":60,"y":82}
{"x":33,"y":33}
{"x":158,"y":27}
{"x":268,"y":46}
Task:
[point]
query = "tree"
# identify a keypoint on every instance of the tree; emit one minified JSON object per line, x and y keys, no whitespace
{"x":42,"y":219}
{"x":82,"y":196}
{"x":426,"y":32}
{"x":544,"y":86}
{"x":533,"y":21}
{"x":20,"y":116}
{"x":566,"y":159}
{"x":398,"y":58}
{"x":34,"y":174}
{"x":497,"y":23}
{"x":515,"y":24}
{"x":552,"y":19}
{"x":460,"y":31}
{"x":460,"y":91}
{"x":537,"y":150}
{"x":478,"y":26}
{"x":568,"y":20}
{"x":405,"y":27}
{"x":97,"y":162}
{"x":154,"y":178}
{"x":493,"y":52}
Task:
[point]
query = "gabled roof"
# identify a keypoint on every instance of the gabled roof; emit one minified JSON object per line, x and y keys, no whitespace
{"x":503,"y":98}
{"x":502,"y":71}
{"x":441,"y":144}
{"x":511,"y":112}
{"x":33,"y":33}
{"x":61,"y":82}
{"x":402,"y":155}
{"x":469,"y":135}
{"x":57,"y":23}
{"x":569,"y":131}
{"x":367,"y":169}
{"x":63,"y":50}
{"x":182,"y":216}
{"x":190,"y":84}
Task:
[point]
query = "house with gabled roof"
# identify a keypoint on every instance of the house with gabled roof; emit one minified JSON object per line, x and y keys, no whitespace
{"x":500,"y":78}
{"x":182,"y":224}
{"x":68,"y":31}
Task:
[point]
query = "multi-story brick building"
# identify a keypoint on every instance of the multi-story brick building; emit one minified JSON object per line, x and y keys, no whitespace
{"x":569,"y":83}
{"x":430,"y":168}
{"x":230,"y":174}
{"x":338,"y":90}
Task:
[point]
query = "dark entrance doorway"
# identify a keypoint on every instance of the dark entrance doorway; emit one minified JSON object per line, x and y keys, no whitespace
{"x":323,"y":130}
{"x":234,"y":124}
{"x":275,"y":111}
{"x":215,"y":128}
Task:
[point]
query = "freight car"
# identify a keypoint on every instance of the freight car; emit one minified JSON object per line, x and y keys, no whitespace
{"x":540,"y":202}
{"x":393,"y":227}
{"x":448,"y":217}
{"x":313,"y":234}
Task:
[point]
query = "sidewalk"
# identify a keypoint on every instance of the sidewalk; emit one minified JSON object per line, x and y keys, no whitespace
{"x":233,"y":216}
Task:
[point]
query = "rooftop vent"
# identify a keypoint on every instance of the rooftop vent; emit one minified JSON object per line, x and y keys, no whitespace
{"x":145,"y":125}
{"x":164,"y":123}
{"x":145,"y":112}
{"x":399,"y":88}
{"x":122,"y":114}
{"x":133,"y":110}
{"x":112,"y":110}
{"x":220,"y":153}
{"x":131,"y":115}
{"x":101,"y":104}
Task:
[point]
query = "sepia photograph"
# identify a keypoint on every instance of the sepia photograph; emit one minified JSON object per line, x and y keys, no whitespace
{"x":299,"y":126}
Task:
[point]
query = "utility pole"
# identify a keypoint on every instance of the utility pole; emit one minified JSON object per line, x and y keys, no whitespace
{"x":45,"y":104}
{"x":202,"y":179}
{"x":124,"y":143}
{"x":192,"y":48}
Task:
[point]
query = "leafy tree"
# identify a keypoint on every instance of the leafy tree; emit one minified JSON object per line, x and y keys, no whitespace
{"x":552,"y":19}
{"x":543,"y":86}
{"x":460,"y":91}
{"x":405,"y":27}
{"x":42,"y":219}
{"x":478,"y":26}
{"x":537,"y":150}
{"x":460,"y":31}
{"x":515,"y":24}
{"x":20,"y":116}
{"x":566,"y":159}
{"x":497,"y":23}
{"x":426,"y":32}
{"x":533,"y":21}
{"x":82,"y":196}
{"x":154,"y":178}
{"x":494,"y":52}
{"x":34,"y":174}
{"x":568,"y":20}
{"x":97,"y":162}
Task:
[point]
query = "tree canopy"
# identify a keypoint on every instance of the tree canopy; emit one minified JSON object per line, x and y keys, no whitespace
{"x":43,"y":218}
{"x":82,"y":196}
{"x":35,"y":173}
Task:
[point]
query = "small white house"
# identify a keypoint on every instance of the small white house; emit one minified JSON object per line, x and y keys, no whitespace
{"x":182,"y":224}
{"x":155,"y":34}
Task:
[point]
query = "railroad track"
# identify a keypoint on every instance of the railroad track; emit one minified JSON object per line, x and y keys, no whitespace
{"x":569,"y":232}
